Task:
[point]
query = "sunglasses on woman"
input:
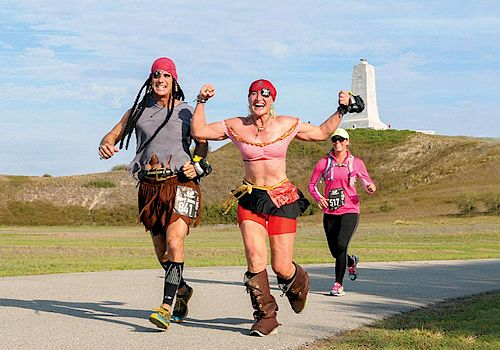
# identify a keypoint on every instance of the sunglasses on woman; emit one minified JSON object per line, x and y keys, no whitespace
{"x":338,"y":139}
{"x":157,"y":74}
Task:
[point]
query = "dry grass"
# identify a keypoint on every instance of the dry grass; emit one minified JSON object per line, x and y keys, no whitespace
{"x":417,"y":175}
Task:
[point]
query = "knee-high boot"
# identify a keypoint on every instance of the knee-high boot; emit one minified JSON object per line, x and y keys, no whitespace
{"x":264,"y":305}
{"x":297,"y":290}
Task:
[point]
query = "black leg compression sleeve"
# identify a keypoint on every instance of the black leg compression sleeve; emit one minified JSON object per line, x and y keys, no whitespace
{"x":182,"y":283}
{"x":173,"y":277}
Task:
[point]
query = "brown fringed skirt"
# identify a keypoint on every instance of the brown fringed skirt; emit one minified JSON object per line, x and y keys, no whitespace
{"x":156,"y":203}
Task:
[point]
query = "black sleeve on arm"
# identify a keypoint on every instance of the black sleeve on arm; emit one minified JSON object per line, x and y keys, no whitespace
{"x":201,"y":148}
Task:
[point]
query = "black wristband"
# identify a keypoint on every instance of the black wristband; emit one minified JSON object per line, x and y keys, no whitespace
{"x":201,"y":100}
{"x":342,"y":109}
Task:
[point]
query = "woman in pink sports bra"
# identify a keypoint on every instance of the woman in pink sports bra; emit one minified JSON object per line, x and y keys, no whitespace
{"x":268,"y":204}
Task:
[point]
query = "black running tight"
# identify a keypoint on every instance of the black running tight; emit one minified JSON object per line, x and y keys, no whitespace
{"x":339,"y":230}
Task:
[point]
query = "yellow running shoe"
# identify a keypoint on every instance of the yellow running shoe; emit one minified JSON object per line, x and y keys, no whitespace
{"x":160,"y":318}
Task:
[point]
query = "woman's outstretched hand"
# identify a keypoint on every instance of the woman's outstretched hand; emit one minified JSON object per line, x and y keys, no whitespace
{"x":344,"y":98}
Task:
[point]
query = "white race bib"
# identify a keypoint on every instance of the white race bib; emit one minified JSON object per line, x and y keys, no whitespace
{"x":186,"y":202}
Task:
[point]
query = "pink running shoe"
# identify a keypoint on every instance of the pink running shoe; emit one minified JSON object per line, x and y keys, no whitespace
{"x":353,"y":270}
{"x":337,"y":290}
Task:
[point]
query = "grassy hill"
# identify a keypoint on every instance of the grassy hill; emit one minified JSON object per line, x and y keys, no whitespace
{"x":417,"y":175}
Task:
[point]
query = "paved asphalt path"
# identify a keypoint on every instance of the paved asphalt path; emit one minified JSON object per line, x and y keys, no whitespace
{"x":109,"y":310}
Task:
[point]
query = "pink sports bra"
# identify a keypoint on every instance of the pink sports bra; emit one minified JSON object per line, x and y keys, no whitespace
{"x":251,"y":151}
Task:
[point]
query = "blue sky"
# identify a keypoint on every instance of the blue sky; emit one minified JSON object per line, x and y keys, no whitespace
{"x":69,"y":70}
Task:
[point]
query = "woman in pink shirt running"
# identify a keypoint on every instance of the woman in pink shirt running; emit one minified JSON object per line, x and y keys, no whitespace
{"x":340,"y":203}
{"x":268,"y":204}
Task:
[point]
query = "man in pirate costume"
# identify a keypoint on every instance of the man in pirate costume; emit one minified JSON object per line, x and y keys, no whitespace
{"x":268,"y":203}
{"x":168,"y":176}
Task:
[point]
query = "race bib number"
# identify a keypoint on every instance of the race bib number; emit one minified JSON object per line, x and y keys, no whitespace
{"x":186,"y":202}
{"x":336,"y":198}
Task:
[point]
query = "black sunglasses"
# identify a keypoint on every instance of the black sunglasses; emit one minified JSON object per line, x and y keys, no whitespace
{"x":338,"y":139}
{"x":157,"y":74}
{"x":264,"y":92}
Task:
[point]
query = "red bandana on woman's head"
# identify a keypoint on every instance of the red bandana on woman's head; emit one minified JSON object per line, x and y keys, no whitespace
{"x":165,"y":64}
{"x":263,"y":84}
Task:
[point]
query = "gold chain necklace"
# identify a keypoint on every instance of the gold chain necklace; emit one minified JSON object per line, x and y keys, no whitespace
{"x":259,"y":128}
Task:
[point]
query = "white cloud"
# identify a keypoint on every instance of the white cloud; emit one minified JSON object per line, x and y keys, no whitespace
{"x":276,"y":49}
{"x":86,"y":60}
{"x":5,"y":45}
{"x":109,"y":95}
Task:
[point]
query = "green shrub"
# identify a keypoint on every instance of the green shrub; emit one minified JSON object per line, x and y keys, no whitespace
{"x":493,"y":204}
{"x":100,"y":184}
{"x":120,"y":167}
{"x":118,"y":215}
{"x":46,"y":175}
{"x":467,"y":205}
{"x":42,"y":213}
{"x":213,"y":213}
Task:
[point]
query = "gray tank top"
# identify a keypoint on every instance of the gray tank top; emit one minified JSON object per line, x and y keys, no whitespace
{"x":171,"y":144}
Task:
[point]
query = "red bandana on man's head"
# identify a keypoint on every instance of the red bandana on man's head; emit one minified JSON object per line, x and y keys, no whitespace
{"x":263,"y":84}
{"x":165,"y":64}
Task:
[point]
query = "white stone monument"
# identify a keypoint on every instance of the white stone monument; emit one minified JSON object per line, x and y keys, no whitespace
{"x":363,"y":84}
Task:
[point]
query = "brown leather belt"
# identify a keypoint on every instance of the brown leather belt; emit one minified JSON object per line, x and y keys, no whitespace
{"x":159,"y":174}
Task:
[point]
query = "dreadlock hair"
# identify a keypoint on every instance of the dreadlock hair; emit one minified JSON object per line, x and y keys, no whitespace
{"x":139,"y":107}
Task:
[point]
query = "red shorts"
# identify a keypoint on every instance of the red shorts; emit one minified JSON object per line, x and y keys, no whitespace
{"x":275,"y":225}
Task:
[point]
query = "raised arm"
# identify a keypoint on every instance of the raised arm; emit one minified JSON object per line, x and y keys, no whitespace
{"x":199,"y":127}
{"x":309,"y":132}
{"x":107,"y":146}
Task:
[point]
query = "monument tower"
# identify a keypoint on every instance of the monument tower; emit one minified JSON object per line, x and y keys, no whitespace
{"x":363,"y":84}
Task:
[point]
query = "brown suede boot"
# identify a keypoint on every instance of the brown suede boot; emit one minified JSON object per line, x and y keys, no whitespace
{"x":297,"y":290}
{"x":264,"y":305}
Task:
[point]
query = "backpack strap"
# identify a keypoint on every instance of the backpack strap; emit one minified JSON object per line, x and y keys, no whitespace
{"x":328,"y":167}
{"x":350,"y":165}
